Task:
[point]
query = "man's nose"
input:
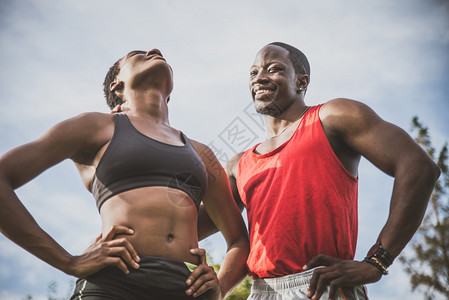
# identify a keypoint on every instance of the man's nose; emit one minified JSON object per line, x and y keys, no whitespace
{"x":260,"y":77}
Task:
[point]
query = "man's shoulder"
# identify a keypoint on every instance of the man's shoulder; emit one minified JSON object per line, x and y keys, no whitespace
{"x":347,"y":118}
{"x":340,"y":106}
{"x":343,"y":111}
{"x":232,"y":165}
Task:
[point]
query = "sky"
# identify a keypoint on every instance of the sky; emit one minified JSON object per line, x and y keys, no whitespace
{"x":391,"y":55}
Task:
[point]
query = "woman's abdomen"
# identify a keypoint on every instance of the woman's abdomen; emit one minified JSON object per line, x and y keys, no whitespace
{"x":164,"y":221}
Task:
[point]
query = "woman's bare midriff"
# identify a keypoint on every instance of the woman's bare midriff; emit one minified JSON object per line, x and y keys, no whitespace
{"x":164,"y":221}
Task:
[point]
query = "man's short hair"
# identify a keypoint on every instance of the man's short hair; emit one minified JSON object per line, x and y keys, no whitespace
{"x":298,"y":59}
{"x":112,"y":99}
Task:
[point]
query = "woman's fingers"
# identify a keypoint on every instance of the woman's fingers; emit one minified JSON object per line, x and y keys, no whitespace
{"x":201,"y":253}
{"x":116,"y":230}
{"x":108,"y":250}
{"x":124,"y":249}
{"x":203,"y":278}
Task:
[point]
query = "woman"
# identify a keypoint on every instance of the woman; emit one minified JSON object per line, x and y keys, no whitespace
{"x":148,"y":180}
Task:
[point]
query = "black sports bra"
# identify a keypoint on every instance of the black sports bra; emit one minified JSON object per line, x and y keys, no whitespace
{"x":134,"y":160}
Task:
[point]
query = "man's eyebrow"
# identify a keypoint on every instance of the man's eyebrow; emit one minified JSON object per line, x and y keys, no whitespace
{"x":269,"y":63}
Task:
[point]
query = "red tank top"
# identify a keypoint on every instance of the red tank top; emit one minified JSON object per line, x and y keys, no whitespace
{"x":300,"y":201}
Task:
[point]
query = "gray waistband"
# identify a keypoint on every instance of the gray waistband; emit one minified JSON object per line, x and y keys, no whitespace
{"x":298,"y":284}
{"x":295,"y":281}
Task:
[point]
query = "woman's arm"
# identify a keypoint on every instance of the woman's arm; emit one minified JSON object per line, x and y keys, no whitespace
{"x":205,"y":225}
{"x":69,"y":139}
{"x":223,"y":211}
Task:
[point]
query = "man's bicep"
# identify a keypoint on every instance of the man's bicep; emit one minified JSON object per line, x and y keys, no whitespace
{"x":235,"y":193}
{"x":232,"y":170}
{"x":384,"y":144}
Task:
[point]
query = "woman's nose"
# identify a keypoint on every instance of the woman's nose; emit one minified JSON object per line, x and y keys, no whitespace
{"x":153,"y":52}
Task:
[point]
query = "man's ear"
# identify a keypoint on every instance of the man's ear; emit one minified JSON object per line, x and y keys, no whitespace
{"x":302,"y":81}
{"x":116,"y":85}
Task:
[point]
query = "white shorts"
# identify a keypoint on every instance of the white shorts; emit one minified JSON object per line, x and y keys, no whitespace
{"x":295,"y":287}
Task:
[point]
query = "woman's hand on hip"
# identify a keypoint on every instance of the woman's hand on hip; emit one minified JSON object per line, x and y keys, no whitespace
{"x":203,"y":279}
{"x":107,"y":251}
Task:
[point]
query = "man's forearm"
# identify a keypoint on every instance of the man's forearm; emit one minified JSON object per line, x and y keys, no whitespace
{"x":411,"y":193}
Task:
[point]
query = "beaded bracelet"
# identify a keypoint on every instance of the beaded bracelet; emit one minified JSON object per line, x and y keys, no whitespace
{"x":375,"y":262}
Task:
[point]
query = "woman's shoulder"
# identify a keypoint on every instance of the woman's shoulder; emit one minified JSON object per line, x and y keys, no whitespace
{"x":89,"y":123}
{"x":93,"y":118}
{"x":86,"y":132}
{"x":203,"y":150}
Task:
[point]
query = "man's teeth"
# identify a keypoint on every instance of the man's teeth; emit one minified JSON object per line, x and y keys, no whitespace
{"x":262,"y":91}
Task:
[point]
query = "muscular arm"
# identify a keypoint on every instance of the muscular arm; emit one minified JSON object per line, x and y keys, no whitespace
{"x":393,"y":151}
{"x":205,"y":225}
{"x":354,"y":126}
{"x":17,"y":167}
{"x":69,"y":139}
{"x":225,"y":216}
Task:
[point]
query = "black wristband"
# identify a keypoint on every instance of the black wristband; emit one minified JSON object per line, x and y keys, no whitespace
{"x":384,"y":257}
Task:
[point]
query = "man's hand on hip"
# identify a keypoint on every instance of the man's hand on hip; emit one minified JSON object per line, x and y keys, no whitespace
{"x":338,"y":273}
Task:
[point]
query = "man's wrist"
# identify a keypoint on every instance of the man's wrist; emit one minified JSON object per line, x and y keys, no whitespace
{"x":375,"y":262}
{"x":379,"y":257}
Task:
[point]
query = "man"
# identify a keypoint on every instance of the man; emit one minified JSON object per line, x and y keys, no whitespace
{"x":299,"y":186}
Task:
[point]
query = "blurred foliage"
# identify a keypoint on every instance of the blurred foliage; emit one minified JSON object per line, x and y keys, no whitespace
{"x":428,"y":264}
{"x":242,"y":291}
{"x":53,"y":290}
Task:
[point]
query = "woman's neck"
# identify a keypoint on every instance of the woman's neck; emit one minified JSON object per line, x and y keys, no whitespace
{"x":148,"y":104}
